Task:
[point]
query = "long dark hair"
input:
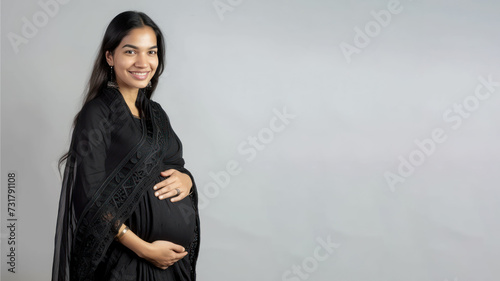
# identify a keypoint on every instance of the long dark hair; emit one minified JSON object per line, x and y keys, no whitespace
{"x":118,"y":28}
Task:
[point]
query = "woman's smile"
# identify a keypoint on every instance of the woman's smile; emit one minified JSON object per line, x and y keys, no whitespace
{"x":139,"y":75}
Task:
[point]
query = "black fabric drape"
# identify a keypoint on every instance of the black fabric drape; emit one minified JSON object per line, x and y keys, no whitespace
{"x":110,"y":168}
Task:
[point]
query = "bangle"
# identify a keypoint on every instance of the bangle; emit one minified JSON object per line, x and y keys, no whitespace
{"x":119,"y":235}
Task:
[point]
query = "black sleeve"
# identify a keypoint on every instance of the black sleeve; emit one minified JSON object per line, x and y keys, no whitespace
{"x":91,"y":138}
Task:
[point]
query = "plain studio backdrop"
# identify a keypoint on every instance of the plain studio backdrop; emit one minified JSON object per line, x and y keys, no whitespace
{"x":330,"y":140}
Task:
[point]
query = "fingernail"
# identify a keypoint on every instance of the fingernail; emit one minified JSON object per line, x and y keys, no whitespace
{"x":157,"y":193}
{"x":161,"y":197}
{"x":155,"y":187}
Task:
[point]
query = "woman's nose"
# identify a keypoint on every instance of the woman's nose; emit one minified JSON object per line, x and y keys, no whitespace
{"x":141,"y":61}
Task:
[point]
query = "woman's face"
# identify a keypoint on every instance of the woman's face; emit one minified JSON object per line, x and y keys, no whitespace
{"x":135,"y":60}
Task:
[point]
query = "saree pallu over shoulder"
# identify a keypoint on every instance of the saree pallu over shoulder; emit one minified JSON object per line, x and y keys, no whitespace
{"x":106,"y":174}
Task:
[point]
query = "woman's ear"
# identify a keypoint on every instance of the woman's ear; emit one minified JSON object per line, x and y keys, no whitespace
{"x":109,"y":58}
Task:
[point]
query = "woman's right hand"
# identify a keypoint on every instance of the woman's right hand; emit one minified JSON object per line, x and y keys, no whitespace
{"x":163,"y":254}
{"x":160,"y":253}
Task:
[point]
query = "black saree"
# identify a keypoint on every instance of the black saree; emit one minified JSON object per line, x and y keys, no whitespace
{"x":114,"y":161}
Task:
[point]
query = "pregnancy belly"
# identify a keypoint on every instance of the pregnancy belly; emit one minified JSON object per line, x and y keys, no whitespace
{"x":156,"y":219}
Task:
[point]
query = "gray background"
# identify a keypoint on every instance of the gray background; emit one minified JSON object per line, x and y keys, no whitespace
{"x":319,"y":177}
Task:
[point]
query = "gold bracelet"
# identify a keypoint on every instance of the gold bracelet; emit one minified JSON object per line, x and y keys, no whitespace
{"x":117,"y":237}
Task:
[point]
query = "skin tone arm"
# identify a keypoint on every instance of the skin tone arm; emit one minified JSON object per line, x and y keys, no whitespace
{"x":160,"y":253}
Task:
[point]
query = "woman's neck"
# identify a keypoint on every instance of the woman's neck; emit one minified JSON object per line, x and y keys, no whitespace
{"x":130,"y":96}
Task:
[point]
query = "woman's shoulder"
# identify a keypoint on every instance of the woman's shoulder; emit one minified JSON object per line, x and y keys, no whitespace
{"x":102,"y":104}
{"x":160,"y":112}
{"x":95,"y":107}
{"x":154,"y":103}
{"x":95,"y":111}
{"x":157,"y":106}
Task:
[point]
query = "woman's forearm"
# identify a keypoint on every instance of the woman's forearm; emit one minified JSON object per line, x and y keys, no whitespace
{"x":133,"y":242}
{"x":160,"y":253}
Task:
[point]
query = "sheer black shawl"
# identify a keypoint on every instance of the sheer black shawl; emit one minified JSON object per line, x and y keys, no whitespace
{"x":98,"y":196}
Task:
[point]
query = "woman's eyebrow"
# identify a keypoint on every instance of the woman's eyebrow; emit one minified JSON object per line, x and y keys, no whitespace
{"x":135,"y":47}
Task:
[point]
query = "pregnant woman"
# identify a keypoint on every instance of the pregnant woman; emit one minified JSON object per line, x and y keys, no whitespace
{"x":128,"y":207}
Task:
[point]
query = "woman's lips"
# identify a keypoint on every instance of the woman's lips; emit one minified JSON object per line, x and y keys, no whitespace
{"x":139,"y":75}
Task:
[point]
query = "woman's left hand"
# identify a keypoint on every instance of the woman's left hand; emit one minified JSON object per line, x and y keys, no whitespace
{"x":175,"y":181}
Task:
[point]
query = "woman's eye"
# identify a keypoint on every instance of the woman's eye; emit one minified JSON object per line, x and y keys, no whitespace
{"x":129,"y":52}
{"x":152,"y":52}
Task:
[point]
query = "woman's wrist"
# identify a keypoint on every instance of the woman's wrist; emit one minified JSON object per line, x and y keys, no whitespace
{"x":130,"y":240}
{"x":144,"y":250}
